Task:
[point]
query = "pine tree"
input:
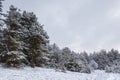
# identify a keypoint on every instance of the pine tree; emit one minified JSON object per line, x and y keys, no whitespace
{"x":55,"y":55}
{"x":13,"y":50}
{"x":93,"y":65}
{"x":35,"y":39}
{"x":25,"y":35}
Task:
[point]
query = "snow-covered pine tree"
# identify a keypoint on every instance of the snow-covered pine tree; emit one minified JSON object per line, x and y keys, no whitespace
{"x":114,"y":67}
{"x":113,"y":55}
{"x":66,"y":55}
{"x":55,"y":55}
{"x":35,"y":39}
{"x":70,"y":60}
{"x":114,"y":61}
{"x":13,"y":50}
{"x":93,"y":65}
{"x":84,"y":58}
{"x":25,"y":35}
{"x":101,"y":59}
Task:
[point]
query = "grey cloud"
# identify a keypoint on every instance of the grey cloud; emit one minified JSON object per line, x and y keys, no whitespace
{"x":79,"y":24}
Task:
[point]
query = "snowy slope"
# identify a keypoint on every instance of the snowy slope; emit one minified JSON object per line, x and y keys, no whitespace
{"x":50,"y":74}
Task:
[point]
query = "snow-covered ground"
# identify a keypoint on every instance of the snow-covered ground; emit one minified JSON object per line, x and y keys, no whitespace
{"x":28,"y":73}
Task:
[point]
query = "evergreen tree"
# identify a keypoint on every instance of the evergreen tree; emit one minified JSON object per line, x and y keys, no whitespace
{"x":35,"y":39}
{"x":24,"y":34}
{"x":93,"y":65}
{"x":101,"y":59}
{"x":55,"y":55}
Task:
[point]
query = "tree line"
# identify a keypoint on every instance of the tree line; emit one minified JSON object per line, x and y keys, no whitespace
{"x":24,"y":42}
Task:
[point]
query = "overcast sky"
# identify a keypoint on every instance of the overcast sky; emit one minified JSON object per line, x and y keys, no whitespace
{"x":88,"y":25}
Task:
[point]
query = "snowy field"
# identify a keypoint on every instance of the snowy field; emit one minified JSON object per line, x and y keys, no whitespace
{"x":50,"y":74}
